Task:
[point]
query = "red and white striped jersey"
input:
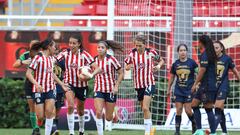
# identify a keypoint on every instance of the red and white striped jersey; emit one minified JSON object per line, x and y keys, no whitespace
{"x":105,"y":81}
{"x":43,"y":72}
{"x":143,"y":66}
{"x":72,"y":64}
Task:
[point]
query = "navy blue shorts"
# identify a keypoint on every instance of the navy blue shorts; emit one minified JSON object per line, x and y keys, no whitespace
{"x":148,"y":91}
{"x":183,"y":99}
{"x":28,"y":89}
{"x":59,"y":100}
{"x":40,"y":98}
{"x":80,"y":93}
{"x":205,"y":95}
{"x":221,"y":95}
{"x":108,"y":97}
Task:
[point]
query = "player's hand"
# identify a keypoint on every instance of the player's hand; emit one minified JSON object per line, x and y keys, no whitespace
{"x":65,"y":87}
{"x":26,"y":62}
{"x":115,"y":90}
{"x":156,"y":68}
{"x":169,"y":91}
{"x":39,"y":88}
{"x":194,"y":88}
{"x":128,"y":67}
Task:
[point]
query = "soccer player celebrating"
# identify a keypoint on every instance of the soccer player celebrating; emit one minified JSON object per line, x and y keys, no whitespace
{"x":43,"y":83}
{"x":224,"y":63}
{"x":75,"y":57}
{"x":106,"y":87}
{"x":142,"y":59}
{"x":184,"y":69}
{"x":25,"y":59}
{"x":207,"y":89}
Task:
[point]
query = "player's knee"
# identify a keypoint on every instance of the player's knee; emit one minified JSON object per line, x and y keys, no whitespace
{"x":145,"y":109}
{"x":179,"y":111}
{"x":109,"y":117}
{"x":80,"y":112}
{"x":98,"y":114}
{"x":188,"y":112}
{"x":70,"y":108}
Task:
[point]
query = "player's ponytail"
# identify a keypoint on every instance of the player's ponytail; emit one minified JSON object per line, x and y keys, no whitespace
{"x":35,"y":48}
{"x":208,"y":45}
{"x":46,"y":43}
{"x":110,"y":44}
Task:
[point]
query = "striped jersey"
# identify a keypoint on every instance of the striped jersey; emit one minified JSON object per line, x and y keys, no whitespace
{"x":143,"y":66}
{"x":105,"y":81}
{"x":72,"y":64}
{"x":43,"y":72}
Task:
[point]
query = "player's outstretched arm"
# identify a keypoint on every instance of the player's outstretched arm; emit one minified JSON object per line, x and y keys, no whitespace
{"x":235,"y":71}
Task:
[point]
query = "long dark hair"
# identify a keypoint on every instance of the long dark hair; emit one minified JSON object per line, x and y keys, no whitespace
{"x":46,"y":43}
{"x":115,"y":46}
{"x":222,"y":46}
{"x":208,"y":45}
{"x":141,"y":38}
{"x":184,"y":45}
{"x":79,"y":39}
{"x":36,"y":46}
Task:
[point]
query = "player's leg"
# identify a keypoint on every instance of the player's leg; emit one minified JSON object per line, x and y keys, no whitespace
{"x":70,"y":114}
{"x":49,"y":107}
{"x":178,"y":118}
{"x":223,"y":123}
{"x":110,"y":104}
{"x":188,"y":110}
{"x":81,"y":94}
{"x":39,"y":107}
{"x":99,"y":104}
{"x":197,"y":116}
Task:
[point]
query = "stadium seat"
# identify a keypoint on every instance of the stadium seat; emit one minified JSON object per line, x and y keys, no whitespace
{"x":215,"y":24}
{"x":75,"y":23}
{"x":198,"y":24}
{"x":156,"y":10}
{"x":99,"y":23}
{"x":230,"y":24}
{"x":131,"y":9}
{"x":235,"y":11}
{"x":219,"y":10}
{"x":84,"y":10}
{"x":92,"y":2}
{"x":101,"y":10}
{"x":122,"y":23}
{"x":200,"y":10}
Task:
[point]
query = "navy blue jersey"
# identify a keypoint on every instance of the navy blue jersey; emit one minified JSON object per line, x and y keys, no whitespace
{"x":60,"y":67}
{"x":223,"y":65}
{"x":208,"y":81}
{"x":184,"y":72}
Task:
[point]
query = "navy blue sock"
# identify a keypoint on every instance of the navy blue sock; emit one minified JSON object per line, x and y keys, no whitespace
{"x":223,"y":123}
{"x":178,"y":120}
{"x":191,"y":118}
{"x":197,"y":117}
{"x":211,"y":119}
{"x":218,"y":116}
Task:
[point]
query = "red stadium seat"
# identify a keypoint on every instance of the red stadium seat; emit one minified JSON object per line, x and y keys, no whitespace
{"x":101,"y":10}
{"x":99,"y":23}
{"x":219,"y":10}
{"x":93,"y":2}
{"x":122,"y":23}
{"x":198,"y":24}
{"x":156,"y":10}
{"x":215,"y":24}
{"x":200,"y":10}
{"x":131,"y":9}
{"x":75,"y":23}
{"x":235,"y":11}
{"x":84,"y":10}
{"x":230,"y":24}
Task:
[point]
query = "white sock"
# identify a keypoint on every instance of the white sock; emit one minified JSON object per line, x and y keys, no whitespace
{"x":70,"y":119}
{"x":48,"y":126}
{"x":81,"y":123}
{"x":99,"y":124}
{"x":148,"y":124}
{"x":108,"y":125}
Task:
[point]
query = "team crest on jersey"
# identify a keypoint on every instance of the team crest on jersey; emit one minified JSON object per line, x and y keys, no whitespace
{"x":49,"y":69}
{"x":141,"y":65}
{"x":73,"y":65}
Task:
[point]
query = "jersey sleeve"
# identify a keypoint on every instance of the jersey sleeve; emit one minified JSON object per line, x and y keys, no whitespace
{"x":204,"y":60}
{"x":155,"y":55}
{"x":231,"y":64}
{"x":129,"y":58}
{"x":23,"y":56}
{"x":62,"y":55}
{"x":35,"y":62}
{"x":115,"y":63}
{"x":88,"y":58}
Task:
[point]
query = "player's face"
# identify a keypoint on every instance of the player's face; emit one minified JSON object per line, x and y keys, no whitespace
{"x":218,"y":49}
{"x":139,"y":45}
{"x":52,"y":49}
{"x":73,"y":44}
{"x":101,"y":49}
{"x":200,"y":45}
{"x":182,"y":52}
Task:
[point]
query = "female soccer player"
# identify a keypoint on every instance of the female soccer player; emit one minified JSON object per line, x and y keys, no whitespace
{"x":25,"y":59}
{"x":142,"y":59}
{"x":224,"y":63}
{"x":106,"y":87}
{"x":207,"y":89}
{"x":184,"y":69}
{"x":75,"y":57}
{"x":43,"y":83}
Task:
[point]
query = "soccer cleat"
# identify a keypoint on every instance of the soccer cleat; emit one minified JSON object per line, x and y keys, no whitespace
{"x":53,"y":131}
{"x":177,"y":133}
{"x":81,"y":133}
{"x":207,"y":132}
{"x":199,"y":132}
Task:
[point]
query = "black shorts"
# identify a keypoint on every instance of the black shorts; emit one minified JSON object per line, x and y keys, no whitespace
{"x":80,"y":93}
{"x":148,"y":91}
{"x":40,"y":98}
{"x":222,"y":95}
{"x":59,"y":100}
{"x":205,"y":95}
{"x":28,"y":89}
{"x":108,"y":97}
